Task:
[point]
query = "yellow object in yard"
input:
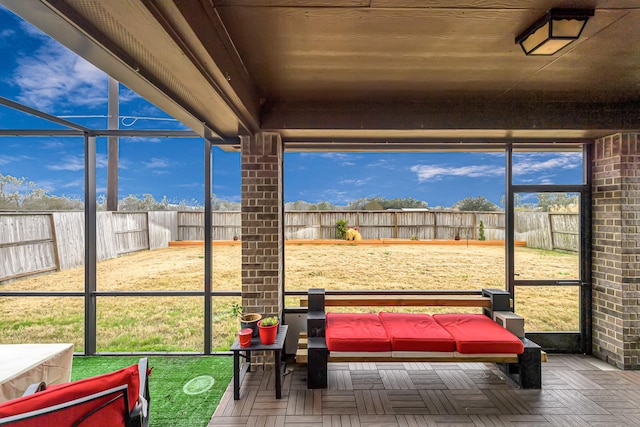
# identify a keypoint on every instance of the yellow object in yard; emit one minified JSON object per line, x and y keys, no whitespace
{"x":353,"y":234}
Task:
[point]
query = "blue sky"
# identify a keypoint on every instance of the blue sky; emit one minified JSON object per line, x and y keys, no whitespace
{"x":39,"y":72}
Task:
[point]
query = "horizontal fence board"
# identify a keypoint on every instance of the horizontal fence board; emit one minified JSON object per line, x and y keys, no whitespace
{"x":19,"y":260}
{"x":19,"y":228}
{"x":131,"y":232}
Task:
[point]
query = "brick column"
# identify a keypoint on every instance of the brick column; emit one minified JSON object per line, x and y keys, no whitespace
{"x":616,"y":248}
{"x":262,"y":222}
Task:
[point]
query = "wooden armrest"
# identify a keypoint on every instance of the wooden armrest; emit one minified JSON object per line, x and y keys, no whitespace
{"x":403,"y":301}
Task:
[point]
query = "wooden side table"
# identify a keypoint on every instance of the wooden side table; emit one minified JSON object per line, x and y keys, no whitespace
{"x":245,"y":352}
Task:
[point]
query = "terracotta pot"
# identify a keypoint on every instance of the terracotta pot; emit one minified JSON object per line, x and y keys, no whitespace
{"x":267,"y":333}
{"x":250,"y":320}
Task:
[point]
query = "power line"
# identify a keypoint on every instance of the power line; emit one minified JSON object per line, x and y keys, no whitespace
{"x":125,"y":121}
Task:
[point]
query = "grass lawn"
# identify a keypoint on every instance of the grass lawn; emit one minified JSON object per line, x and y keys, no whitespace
{"x":176,"y":323}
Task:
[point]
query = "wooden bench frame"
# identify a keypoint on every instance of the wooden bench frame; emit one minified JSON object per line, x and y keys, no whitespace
{"x":525,"y":369}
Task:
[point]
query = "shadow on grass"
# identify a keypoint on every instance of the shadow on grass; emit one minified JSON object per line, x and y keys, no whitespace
{"x":185,"y":390}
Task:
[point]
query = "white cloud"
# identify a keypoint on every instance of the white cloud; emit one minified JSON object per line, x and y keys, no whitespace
{"x":76,"y":183}
{"x":76,"y":163}
{"x":6,"y":33}
{"x":156,"y":163}
{"x":195,"y":185}
{"x":52,"y":145}
{"x":139,"y":139}
{"x":355,"y":182}
{"x":534,"y":163}
{"x":54,"y":79}
{"x":344,"y":159}
{"x":127,"y":95}
{"x":53,"y":186}
{"x":332,"y":155}
{"x":336,"y":196}
{"x":381,"y":163}
{"x":542,"y":165}
{"x":5,"y":160}
{"x":437,"y":172}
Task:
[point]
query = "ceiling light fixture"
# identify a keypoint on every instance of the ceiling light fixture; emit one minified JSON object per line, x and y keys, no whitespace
{"x":555,"y":30}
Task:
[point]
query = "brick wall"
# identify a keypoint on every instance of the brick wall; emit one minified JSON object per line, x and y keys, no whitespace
{"x":262,"y":217}
{"x":616,"y":246}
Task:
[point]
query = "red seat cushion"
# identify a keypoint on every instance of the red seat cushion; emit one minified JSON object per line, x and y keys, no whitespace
{"x":111,"y":415}
{"x":476,"y":334}
{"x":416,"y":332}
{"x":356,"y":332}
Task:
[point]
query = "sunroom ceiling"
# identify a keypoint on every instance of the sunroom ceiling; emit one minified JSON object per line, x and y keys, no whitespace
{"x":361,"y":74}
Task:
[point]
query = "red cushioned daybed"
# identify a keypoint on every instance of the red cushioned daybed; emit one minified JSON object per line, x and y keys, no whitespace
{"x":414,"y":335}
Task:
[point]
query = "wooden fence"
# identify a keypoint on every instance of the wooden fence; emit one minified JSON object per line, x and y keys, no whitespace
{"x":544,"y":230}
{"x":33,"y":243}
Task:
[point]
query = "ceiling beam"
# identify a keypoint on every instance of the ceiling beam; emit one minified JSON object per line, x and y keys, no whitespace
{"x":451,"y":115}
{"x":203,"y":39}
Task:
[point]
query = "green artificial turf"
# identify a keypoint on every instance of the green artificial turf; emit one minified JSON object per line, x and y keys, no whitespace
{"x":175,"y":401}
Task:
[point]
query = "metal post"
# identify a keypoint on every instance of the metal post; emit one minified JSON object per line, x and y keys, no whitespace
{"x":112,"y":166}
{"x":586,"y":292}
{"x":281,"y":220}
{"x":207,"y":246}
{"x":509,"y":242}
{"x":90,"y":315}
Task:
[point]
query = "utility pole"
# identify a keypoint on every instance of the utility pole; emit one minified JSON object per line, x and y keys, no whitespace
{"x":112,"y":165}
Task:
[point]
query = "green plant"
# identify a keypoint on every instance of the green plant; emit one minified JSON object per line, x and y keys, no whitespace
{"x":481,"y":231}
{"x":269,"y":321}
{"x":414,"y":237}
{"x":236,"y":310}
{"x":341,"y":228}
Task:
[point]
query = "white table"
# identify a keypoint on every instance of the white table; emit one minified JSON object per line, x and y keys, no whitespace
{"x":24,"y":364}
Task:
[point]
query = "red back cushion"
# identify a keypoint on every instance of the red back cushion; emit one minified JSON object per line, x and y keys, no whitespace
{"x":476,"y":333}
{"x":356,"y":332}
{"x":111,"y":415}
{"x":416,"y":332}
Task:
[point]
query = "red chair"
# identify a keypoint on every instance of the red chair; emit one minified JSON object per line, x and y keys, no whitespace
{"x":119,"y":398}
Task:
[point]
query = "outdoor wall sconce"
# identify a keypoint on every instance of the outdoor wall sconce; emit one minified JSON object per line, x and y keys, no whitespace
{"x":555,"y":30}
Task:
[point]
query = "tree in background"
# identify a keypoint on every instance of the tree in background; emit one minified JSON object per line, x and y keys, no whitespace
{"x":373,"y":205}
{"x":380,"y":203}
{"x":517,"y":201}
{"x":325,"y":206}
{"x":476,"y":204}
{"x":21,"y":194}
{"x":481,"y":235}
{"x":557,"y":202}
{"x":301,"y":205}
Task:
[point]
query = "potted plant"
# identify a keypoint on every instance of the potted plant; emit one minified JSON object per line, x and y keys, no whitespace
{"x":247,"y":320}
{"x":268,"y":328}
